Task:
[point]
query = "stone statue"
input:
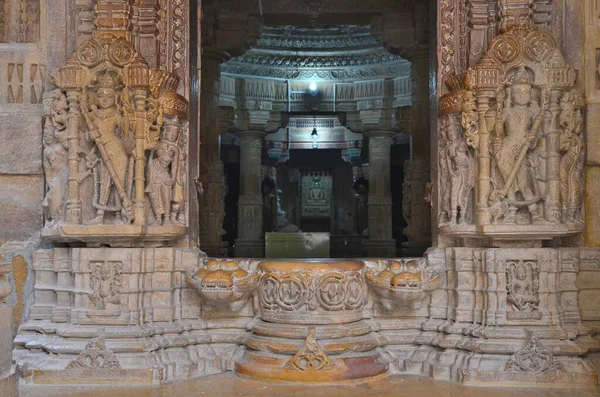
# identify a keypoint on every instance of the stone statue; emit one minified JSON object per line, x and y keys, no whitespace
{"x":571,"y":163}
{"x":109,"y":128}
{"x":165,"y":185}
{"x":518,"y":126}
{"x":55,"y":168}
{"x":459,"y":171}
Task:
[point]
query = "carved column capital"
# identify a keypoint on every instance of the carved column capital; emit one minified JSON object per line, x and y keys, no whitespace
{"x":513,"y":12}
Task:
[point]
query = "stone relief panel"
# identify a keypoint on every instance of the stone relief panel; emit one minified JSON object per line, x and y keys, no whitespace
{"x":106,"y":281}
{"x":19,"y":21}
{"x":521,"y":123}
{"x":123,"y":129}
{"x":523,"y":286}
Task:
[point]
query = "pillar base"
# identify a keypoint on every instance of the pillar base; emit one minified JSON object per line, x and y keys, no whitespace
{"x":381,"y":248}
{"x":249,"y":248}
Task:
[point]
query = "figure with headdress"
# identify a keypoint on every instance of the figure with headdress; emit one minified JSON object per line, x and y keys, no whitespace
{"x":109,"y":128}
{"x":164,"y":178}
{"x":518,"y":127}
{"x":459,"y":169}
{"x":571,"y":162}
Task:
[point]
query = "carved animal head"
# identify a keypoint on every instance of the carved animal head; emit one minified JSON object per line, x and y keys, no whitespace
{"x":223,"y":282}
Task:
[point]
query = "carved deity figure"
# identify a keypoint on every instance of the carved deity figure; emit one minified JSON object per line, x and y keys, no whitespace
{"x":165,"y":186}
{"x":518,"y":126}
{"x":523,"y":285}
{"x":459,"y":170}
{"x":56,"y":170}
{"x":109,"y":128}
{"x":571,"y":163}
{"x":106,"y":281}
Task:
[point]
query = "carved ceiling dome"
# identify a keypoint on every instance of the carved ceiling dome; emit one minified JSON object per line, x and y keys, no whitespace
{"x":344,"y":52}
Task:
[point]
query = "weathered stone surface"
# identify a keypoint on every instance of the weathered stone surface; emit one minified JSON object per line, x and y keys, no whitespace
{"x":20,"y":198}
{"x":21,"y":137}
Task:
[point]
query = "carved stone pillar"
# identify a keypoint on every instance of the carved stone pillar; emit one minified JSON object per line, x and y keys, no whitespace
{"x":380,"y":243}
{"x":250,"y":230}
{"x":483,"y":26}
{"x":515,"y":12}
{"x":418,"y":230}
{"x":212,"y":207}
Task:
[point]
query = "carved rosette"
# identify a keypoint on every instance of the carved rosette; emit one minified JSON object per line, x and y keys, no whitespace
{"x":312,"y":293}
{"x":223,"y":283}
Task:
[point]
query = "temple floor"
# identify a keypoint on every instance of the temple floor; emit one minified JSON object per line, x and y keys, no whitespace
{"x":230,"y":385}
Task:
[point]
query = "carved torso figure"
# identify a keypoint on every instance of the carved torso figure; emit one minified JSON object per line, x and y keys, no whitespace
{"x":571,"y":163}
{"x":55,"y":168}
{"x":164,"y":175}
{"x":109,"y":128}
{"x":460,"y":168}
{"x":523,"y":286}
{"x":518,"y":126}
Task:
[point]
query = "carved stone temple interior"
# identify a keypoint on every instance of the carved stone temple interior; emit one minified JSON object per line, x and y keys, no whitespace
{"x":280,"y":196}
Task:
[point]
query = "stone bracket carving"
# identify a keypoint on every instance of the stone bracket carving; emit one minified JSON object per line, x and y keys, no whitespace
{"x":404,"y":283}
{"x":223,"y":283}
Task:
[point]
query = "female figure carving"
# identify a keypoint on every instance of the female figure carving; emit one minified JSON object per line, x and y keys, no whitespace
{"x":460,"y":168}
{"x":109,"y":128}
{"x":571,"y":163}
{"x":164,"y":175}
{"x":56,"y":170}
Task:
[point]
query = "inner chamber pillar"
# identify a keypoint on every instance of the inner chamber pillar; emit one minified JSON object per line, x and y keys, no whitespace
{"x":417,"y":171}
{"x":250,"y":221}
{"x":380,"y":243}
{"x":212,"y":210}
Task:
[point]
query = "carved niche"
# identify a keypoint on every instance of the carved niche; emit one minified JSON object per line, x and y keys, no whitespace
{"x":117,"y":130}
{"x":522,"y":120}
{"x":106,"y":281}
{"x":523,"y":284}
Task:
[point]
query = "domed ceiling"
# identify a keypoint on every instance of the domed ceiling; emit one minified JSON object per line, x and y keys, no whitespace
{"x":346,"y":52}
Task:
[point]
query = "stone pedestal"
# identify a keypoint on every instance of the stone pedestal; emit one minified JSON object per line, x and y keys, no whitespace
{"x":311,"y":327}
{"x":250,"y":205}
{"x":380,"y":242}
